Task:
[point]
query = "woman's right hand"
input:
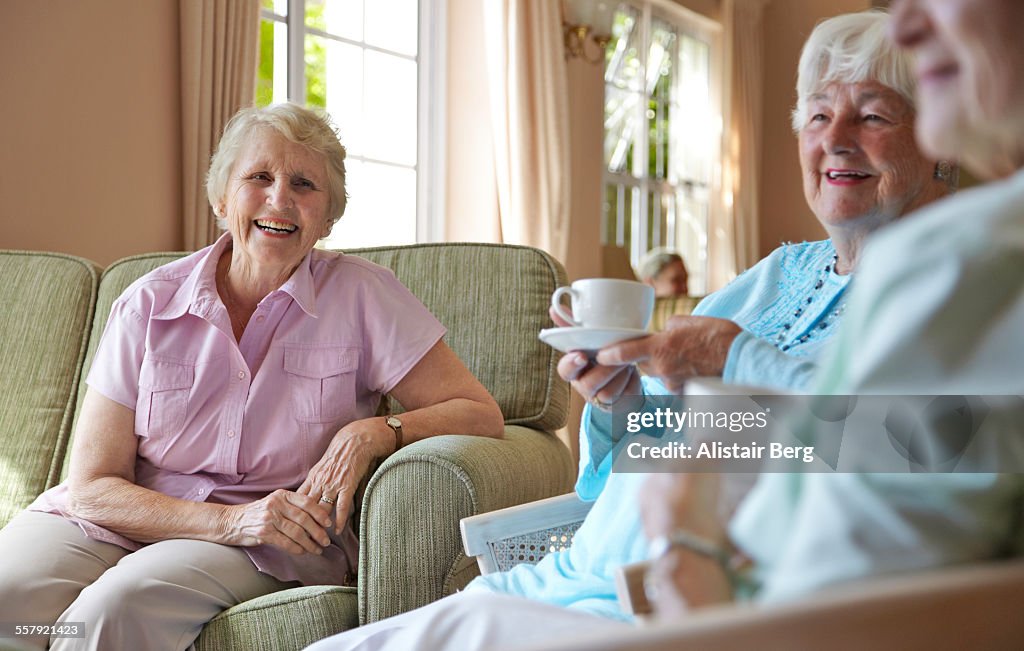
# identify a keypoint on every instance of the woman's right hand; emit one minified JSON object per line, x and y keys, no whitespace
{"x":599,"y":385}
{"x":285,"y":519}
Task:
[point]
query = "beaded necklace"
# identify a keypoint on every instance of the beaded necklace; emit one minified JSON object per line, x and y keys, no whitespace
{"x":830,"y":318}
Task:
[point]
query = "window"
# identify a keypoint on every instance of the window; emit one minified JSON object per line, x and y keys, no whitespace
{"x":663,"y":131}
{"x":365,"y":62}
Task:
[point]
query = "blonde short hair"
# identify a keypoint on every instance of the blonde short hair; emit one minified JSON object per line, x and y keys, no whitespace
{"x":849,"y":49}
{"x":300,"y":125}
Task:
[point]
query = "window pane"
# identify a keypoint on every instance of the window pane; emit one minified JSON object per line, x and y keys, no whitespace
{"x":393,"y":25}
{"x":660,"y":209}
{"x":621,"y":119}
{"x":344,"y":96}
{"x":279,"y":7}
{"x":381,"y":208}
{"x":692,"y":235}
{"x":659,"y":58}
{"x":694,"y":127}
{"x":272,"y":71}
{"x":265,"y":69}
{"x":337,"y":17}
{"x":390,"y":115}
{"x":315,"y":54}
{"x":609,"y":213}
{"x":622,"y":57}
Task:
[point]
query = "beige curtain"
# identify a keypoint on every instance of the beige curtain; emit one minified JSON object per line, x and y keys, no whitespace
{"x":529,"y":102}
{"x":744,"y":43}
{"x":219,"y":48}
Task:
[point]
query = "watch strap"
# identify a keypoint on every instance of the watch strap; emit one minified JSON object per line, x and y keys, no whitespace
{"x":396,"y":427}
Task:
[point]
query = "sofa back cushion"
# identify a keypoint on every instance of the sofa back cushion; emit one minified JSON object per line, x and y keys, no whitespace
{"x":46,"y":307}
{"x":492,"y":298}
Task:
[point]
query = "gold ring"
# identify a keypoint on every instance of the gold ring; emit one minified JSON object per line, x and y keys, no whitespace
{"x":324,"y":498}
{"x":605,"y":406}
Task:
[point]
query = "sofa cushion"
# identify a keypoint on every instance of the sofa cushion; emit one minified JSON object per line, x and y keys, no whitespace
{"x":46,"y":306}
{"x":282,"y":621}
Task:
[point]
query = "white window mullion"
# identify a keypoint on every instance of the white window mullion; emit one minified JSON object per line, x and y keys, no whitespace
{"x":431,"y":195}
{"x":297,"y":51}
{"x":641,"y":155}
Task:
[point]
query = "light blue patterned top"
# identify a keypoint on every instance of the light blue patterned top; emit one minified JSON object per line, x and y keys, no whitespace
{"x":770,"y":302}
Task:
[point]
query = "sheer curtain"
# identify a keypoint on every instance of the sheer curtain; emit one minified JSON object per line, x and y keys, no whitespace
{"x":742,"y":20}
{"x":219,"y":48}
{"x":529,"y":103}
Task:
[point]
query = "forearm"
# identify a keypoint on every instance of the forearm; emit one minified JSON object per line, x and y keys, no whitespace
{"x":145,"y":515}
{"x":754,"y":361}
{"x":456,"y":416}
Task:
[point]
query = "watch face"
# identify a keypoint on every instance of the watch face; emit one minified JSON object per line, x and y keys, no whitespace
{"x":393,"y":422}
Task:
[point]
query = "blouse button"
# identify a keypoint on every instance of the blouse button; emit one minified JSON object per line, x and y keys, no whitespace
{"x":241,"y":375}
{"x":231,"y":433}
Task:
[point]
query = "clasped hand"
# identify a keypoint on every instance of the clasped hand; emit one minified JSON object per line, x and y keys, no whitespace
{"x":298,"y":521}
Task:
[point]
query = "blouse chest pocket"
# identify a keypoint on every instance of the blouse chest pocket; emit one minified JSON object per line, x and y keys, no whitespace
{"x":163,"y":397}
{"x":322,"y":380}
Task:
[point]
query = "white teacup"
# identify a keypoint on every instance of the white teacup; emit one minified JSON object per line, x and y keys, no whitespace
{"x":606,"y":303}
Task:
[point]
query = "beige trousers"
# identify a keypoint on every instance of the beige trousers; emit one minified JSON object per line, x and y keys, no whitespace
{"x":158,"y":597}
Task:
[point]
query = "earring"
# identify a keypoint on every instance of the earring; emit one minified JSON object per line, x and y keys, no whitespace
{"x":944,"y":171}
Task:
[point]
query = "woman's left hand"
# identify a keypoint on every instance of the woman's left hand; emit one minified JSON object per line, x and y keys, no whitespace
{"x":347,"y":459}
{"x":684,"y":579}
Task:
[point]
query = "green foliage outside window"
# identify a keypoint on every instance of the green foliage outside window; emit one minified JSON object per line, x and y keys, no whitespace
{"x":265,"y":71}
{"x":314,"y":55}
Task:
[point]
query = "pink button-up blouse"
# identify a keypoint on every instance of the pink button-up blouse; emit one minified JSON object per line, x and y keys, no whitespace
{"x":230,"y":422}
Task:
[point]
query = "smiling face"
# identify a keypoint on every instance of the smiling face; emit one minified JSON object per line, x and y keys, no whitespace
{"x":276,"y":202}
{"x":859,"y":158}
{"x":970,"y":67}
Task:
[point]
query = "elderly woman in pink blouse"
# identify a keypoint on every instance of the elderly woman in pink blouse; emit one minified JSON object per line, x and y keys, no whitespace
{"x":230,"y":411}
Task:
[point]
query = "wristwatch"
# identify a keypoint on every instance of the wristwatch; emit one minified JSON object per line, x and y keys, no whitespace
{"x":396,"y":426}
{"x":736,"y":565}
{"x":661,"y":545}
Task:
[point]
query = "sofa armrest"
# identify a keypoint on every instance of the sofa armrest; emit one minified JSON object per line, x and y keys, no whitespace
{"x":970,"y":607}
{"x":524,"y":533}
{"x":410,"y":552}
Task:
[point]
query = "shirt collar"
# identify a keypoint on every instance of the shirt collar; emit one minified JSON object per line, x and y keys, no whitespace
{"x":300,"y":286}
{"x":198,"y":294}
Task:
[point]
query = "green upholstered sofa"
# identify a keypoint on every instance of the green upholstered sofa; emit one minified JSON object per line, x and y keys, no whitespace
{"x":492,"y":298}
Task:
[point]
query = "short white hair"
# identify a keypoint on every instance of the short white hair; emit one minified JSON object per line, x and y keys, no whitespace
{"x":849,"y":49}
{"x":303,"y":126}
{"x":655,"y":261}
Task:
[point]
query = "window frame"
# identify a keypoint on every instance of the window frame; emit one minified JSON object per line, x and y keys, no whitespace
{"x":431,"y":95}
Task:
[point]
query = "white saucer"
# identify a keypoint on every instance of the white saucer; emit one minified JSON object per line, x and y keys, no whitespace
{"x":568,"y":339}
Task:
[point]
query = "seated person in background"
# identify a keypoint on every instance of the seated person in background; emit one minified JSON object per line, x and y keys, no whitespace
{"x":665,"y":271}
{"x":230,"y":413}
{"x":938,"y":310}
{"x":854,"y":114}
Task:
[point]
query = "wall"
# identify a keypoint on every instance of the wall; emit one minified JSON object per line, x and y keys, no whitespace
{"x":784,"y":212}
{"x":90,"y":122}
